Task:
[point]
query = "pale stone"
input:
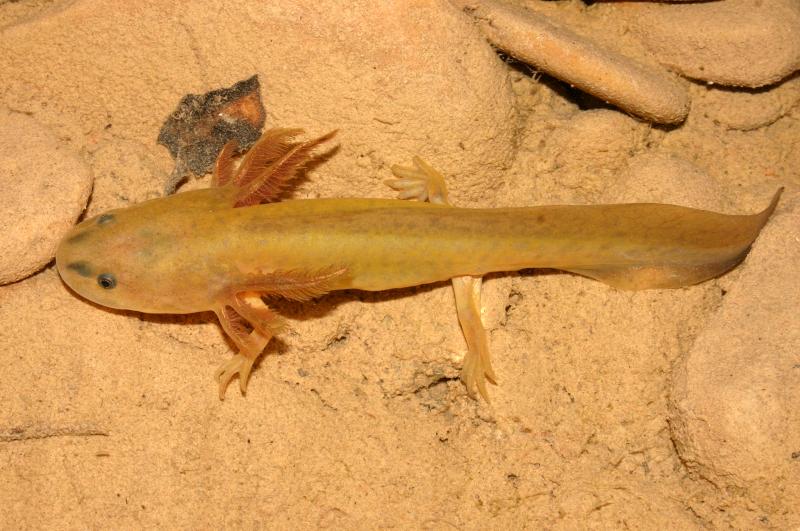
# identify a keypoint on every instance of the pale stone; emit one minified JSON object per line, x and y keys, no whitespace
{"x":44,"y":189}
{"x":735,"y":418}
{"x":747,"y":43}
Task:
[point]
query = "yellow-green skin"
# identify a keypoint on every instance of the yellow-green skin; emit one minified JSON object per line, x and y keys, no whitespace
{"x":188,"y":252}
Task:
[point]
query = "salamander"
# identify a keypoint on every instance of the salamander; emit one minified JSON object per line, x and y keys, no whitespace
{"x":227,"y":247}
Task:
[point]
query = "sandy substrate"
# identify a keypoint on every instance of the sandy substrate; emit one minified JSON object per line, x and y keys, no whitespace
{"x":655,"y":409}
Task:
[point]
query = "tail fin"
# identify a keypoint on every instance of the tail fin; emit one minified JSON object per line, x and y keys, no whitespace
{"x":677,"y":270}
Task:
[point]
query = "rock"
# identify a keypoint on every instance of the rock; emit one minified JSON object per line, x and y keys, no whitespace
{"x":747,"y":109}
{"x":45,"y":188}
{"x":735,"y":419}
{"x":657,"y":177}
{"x":588,"y":151}
{"x":645,"y":90}
{"x":421,"y":55}
{"x":747,"y":43}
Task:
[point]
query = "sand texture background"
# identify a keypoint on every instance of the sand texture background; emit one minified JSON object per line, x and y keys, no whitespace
{"x":655,"y":409}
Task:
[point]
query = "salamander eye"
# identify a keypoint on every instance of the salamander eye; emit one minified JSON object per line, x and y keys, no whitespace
{"x":106,"y":281}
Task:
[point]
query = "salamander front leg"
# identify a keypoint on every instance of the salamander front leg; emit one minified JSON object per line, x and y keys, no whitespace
{"x":424,"y":183}
{"x":250,"y":324}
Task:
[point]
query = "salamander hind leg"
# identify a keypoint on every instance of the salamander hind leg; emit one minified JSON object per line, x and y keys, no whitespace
{"x":477,"y":368}
{"x":423,"y":183}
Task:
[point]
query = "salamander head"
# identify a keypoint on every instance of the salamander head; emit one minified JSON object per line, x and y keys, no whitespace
{"x":94,"y":259}
{"x":131,"y":259}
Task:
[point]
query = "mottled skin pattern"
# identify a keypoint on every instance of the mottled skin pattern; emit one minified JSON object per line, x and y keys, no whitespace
{"x":196,"y":251}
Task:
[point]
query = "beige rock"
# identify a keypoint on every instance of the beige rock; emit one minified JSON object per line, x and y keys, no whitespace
{"x":588,"y":151}
{"x":128,"y":172}
{"x":644,"y":90}
{"x":658,"y":177}
{"x":735,"y":418}
{"x":44,"y":190}
{"x":747,"y":109}
{"x":747,"y":43}
{"x":391,"y":99}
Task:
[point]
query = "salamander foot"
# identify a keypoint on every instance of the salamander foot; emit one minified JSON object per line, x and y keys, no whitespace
{"x":238,"y":364}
